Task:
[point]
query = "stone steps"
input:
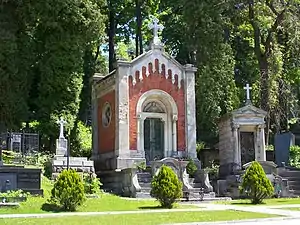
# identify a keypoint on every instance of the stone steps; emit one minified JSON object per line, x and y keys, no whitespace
{"x":293,"y":177}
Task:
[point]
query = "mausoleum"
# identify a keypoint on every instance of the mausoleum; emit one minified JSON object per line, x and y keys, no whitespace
{"x":144,"y":110}
{"x":241,"y":137}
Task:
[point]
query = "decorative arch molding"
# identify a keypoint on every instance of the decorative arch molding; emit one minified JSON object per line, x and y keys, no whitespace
{"x":158,"y":95}
{"x":169,"y":116}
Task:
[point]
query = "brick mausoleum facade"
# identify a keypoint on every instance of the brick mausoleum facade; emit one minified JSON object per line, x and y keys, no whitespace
{"x":144,"y":110}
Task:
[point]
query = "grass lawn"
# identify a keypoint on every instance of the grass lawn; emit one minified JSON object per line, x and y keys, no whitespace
{"x":274,"y":201}
{"x":106,"y":202}
{"x":137,"y":219}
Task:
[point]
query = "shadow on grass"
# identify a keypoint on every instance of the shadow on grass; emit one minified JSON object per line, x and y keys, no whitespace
{"x":48,"y":207}
{"x":151,"y":207}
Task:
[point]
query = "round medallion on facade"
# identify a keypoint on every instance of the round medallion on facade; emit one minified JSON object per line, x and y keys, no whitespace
{"x":106,"y":114}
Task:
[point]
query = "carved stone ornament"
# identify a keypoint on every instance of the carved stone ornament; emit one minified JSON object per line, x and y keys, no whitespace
{"x":106,"y":114}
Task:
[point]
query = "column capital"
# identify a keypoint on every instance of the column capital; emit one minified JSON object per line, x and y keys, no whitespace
{"x":175,"y":117}
{"x":261,"y":126}
{"x":235,"y":126}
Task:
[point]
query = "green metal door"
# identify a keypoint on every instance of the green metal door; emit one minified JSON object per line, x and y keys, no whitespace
{"x":153,"y":139}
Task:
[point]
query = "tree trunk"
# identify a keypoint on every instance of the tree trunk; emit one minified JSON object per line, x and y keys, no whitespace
{"x":138,"y":37}
{"x":265,"y":91}
{"x":111,"y":37}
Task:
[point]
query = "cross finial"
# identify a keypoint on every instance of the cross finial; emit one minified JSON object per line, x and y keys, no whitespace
{"x":247,"y":88}
{"x":155,"y":27}
{"x":61,"y":123}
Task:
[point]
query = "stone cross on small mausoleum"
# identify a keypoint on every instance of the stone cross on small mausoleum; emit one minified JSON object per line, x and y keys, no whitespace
{"x":248,"y":88}
{"x":61,"y":123}
{"x":155,"y":27}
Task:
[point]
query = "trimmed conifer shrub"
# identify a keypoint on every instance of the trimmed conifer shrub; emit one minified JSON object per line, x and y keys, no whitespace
{"x":255,"y":184}
{"x":68,"y":191}
{"x":166,"y":187}
{"x":191,"y":168}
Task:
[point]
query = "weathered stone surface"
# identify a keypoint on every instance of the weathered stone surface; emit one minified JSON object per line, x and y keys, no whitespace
{"x":17,"y":177}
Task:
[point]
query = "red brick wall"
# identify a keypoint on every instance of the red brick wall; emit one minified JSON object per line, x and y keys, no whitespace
{"x":156,"y":81}
{"x":106,"y":135}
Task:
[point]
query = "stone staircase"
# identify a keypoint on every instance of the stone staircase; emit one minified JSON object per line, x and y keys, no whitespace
{"x":144,"y":179}
{"x":293,"y":179}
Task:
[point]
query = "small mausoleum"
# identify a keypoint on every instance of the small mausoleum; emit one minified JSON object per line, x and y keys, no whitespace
{"x":143,"y":111}
{"x":241,"y":137}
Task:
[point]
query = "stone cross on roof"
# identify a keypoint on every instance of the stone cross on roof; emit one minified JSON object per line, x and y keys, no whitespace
{"x":155,"y":27}
{"x":61,"y":123}
{"x":247,"y":88}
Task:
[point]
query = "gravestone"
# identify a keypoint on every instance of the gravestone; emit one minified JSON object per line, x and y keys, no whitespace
{"x":62,"y":160}
{"x":20,"y":178}
{"x":283,"y":142}
{"x":61,"y":142}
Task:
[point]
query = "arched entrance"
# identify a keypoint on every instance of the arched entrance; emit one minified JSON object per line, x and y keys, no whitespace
{"x":157,"y":125}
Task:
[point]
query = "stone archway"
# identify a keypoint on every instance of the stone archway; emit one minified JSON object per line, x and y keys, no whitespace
{"x":155,"y":105}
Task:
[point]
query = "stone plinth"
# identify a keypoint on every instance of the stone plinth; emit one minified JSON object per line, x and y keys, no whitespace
{"x":61,"y":146}
{"x":80,"y":164}
{"x":18,"y":177}
{"x":121,"y":182}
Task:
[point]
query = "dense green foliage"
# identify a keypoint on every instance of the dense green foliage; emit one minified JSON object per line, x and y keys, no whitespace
{"x":68,"y":191}
{"x":191,"y":168}
{"x":92,"y":184}
{"x":48,"y":57}
{"x":294,"y":158}
{"x":255,"y":184}
{"x":166,"y":187}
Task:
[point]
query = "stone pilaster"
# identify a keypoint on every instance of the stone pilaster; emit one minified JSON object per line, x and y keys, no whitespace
{"x":262,"y":142}
{"x":122,"y":110}
{"x":190,"y":112}
{"x":95,"y":153}
{"x":236,"y":151}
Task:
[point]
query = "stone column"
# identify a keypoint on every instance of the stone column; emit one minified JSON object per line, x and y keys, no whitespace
{"x":257,"y":144}
{"x":236,"y":153}
{"x":174,"y":134}
{"x":139,"y":132}
{"x":262,"y":143}
{"x":122,"y":110}
{"x":190,"y":110}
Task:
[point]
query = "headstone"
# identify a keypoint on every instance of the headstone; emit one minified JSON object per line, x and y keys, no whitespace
{"x":61,"y":142}
{"x":283,"y":142}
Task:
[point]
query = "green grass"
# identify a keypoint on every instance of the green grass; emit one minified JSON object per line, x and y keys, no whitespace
{"x":274,"y":201}
{"x":106,"y":202}
{"x":137,"y":219}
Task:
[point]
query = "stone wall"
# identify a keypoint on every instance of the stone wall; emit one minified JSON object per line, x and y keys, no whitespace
{"x":156,"y":80}
{"x":226,"y":144}
{"x":106,"y":135}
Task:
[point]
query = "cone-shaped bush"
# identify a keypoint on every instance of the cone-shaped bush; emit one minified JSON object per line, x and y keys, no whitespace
{"x":166,"y":187}
{"x":255,"y":184}
{"x":68,"y":191}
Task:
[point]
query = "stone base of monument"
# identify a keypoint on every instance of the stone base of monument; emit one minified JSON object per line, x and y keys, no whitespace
{"x":20,"y":178}
{"x":9,"y":205}
{"x":79,"y":164}
{"x":120,"y":182}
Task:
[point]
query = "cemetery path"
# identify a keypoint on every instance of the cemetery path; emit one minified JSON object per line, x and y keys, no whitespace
{"x":292,"y":216}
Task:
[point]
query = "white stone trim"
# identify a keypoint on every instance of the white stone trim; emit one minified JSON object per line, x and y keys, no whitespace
{"x":169,"y":118}
{"x":162,"y":96}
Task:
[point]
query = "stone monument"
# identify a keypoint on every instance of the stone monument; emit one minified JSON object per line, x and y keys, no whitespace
{"x":61,"y":142}
{"x":241,"y":137}
{"x":143,"y":111}
{"x":62,"y":159}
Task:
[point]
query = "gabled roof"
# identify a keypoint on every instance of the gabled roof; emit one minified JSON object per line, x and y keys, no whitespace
{"x":249,"y":109}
